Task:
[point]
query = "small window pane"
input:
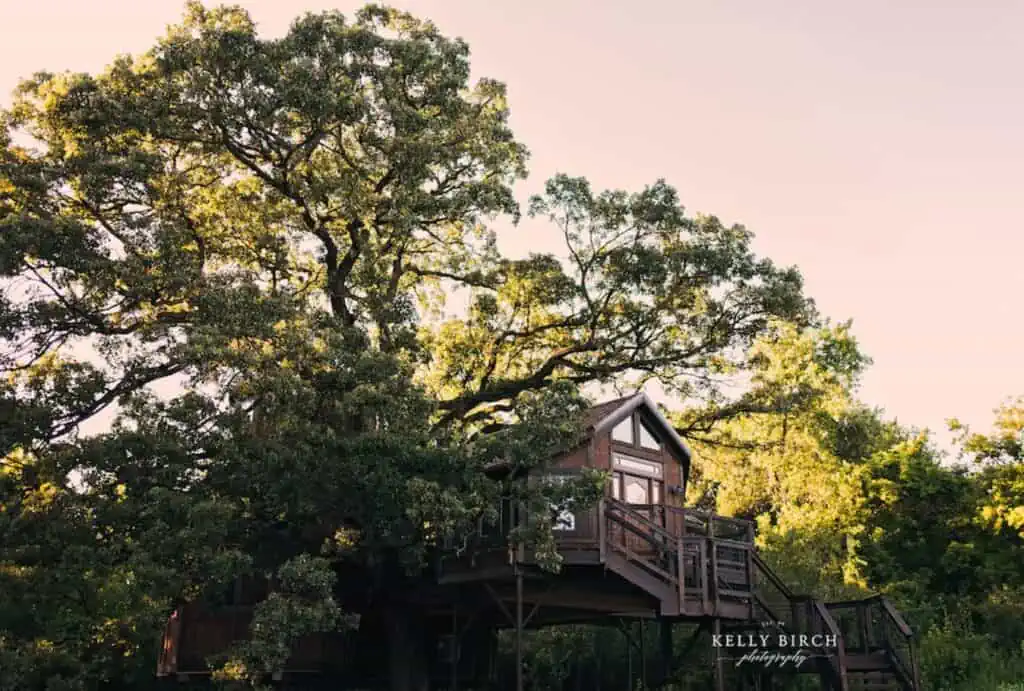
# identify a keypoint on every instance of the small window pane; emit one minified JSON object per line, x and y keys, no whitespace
{"x":623,"y":431}
{"x":636,"y":490}
{"x":616,"y":482}
{"x":647,"y":439}
{"x":656,"y":493}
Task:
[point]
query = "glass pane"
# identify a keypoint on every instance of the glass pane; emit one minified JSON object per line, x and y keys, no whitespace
{"x":639,"y":467}
{"x":636,"y":490}
{"x":656,"y":493}
{"x":624,"y":431}
{"x":647,"y":439}
{"x":616,"y":483}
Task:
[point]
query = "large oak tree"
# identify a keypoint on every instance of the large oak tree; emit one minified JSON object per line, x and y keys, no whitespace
{"x":238,"y":246}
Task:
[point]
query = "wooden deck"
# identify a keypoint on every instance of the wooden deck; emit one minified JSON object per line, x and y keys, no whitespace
{"x":618,"y":561}
{"x":692,"y":564}
{"x":673,"y":564}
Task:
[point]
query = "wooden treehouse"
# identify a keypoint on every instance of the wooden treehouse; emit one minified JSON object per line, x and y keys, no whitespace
{"x":637,"y":554}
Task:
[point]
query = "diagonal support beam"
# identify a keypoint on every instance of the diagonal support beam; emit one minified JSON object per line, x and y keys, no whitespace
{"x":501,"y":605}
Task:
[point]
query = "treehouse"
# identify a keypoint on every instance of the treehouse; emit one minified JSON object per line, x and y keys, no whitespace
{"x":639,"y":553}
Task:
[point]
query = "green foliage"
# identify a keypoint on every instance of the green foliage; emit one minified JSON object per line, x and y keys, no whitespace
{"x":303,"y":603}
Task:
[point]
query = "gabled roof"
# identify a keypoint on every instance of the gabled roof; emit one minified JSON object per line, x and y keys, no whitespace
{"x":595,"y":414}
{"x":603,"y":416}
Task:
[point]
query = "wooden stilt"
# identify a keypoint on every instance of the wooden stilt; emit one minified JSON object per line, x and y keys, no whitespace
{"x":716,"y":629}
{"x":519,"y":629}
{"x":643,"y":655}
{"x":666,"y":650}
{"x":454,"y":648}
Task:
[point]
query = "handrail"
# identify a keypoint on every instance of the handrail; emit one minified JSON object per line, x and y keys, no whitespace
{"x":908,"y":668}
{"x":633,"y":514}
{"x":712,"y":519}
{"x":775,"y":580}
{"x":630,"y":525}
{"x":839,"y":661}
{"x":843,"y":604}
{"x":772,"y":614}
{"x":897,"y":618}
{"x":666,"y":548}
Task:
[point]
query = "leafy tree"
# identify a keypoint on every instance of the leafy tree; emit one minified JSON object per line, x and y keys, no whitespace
{"x":237,"y":246}
{"x":782,"y":462}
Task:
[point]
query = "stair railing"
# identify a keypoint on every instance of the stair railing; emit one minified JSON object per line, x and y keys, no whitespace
{"x":898,"y":640}
{"x":816,"y":620}
{"x":773,"y":600}
{"x":641,"y":541}
{"x":873,"y":625}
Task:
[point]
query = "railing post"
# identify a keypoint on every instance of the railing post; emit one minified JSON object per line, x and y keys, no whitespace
{"x":864,"y":626}
{"x":602,"y":531}
{"x":712,"y":562}
{"x":699,"y":567}
{"x":754,"y":585}
{"x":681,"y":573}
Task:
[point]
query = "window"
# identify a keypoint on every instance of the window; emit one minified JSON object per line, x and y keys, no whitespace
{"x":647,"y":438}
{"x":637,"y":490}
{"x":635,"y":432}
{"x":636,"y":465}
{"x":623,"y":432}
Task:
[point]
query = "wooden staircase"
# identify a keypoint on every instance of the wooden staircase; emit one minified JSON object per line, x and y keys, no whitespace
{"x":853,"y":646}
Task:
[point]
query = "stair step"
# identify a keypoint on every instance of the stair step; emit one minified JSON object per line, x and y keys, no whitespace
{"x":873,"y":681}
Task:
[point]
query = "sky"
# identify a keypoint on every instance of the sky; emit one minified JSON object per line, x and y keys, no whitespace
{"x":877,"y":147}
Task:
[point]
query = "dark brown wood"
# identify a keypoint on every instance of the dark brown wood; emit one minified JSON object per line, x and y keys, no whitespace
{"x":665,"y":638}
{"x":716,"y":630}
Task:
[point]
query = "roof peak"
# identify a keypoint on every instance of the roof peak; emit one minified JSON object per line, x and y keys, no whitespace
{"x":599,"y":417}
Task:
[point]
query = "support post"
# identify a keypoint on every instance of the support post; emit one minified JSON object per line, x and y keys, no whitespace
{"x":629,"y":659}
{"x":643,"y":655}
{"x":454,"y":648}
{"x":519,"y":628}
{"x":716,"y":629}
{"x":863,"y":632}
{"x":666,"y":651}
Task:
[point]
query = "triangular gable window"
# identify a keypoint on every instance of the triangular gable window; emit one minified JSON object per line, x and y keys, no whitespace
{"x":647,"y":438}
{"x":623,"y":432}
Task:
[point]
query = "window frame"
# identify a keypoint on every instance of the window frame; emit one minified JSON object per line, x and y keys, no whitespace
{"x":638,"y":427}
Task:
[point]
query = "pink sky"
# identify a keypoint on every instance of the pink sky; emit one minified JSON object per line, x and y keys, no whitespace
{"x":877,"y":147}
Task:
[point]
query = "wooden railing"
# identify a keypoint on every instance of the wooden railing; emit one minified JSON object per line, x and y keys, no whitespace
{"x":642,"y":542}
{"x":773,"y":600}
{"x":708,"y":558}
{"x":815,"y":620}
{"x":874,"y":626}
{"x":710,"y":561}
